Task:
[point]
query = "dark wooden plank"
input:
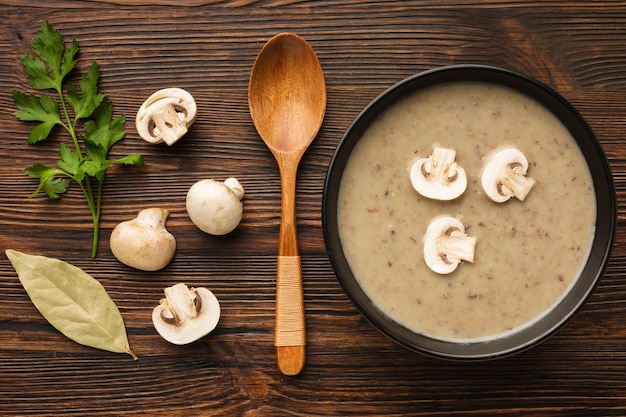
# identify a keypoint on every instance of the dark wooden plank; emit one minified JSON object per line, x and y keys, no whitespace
{"x":208,"y":48}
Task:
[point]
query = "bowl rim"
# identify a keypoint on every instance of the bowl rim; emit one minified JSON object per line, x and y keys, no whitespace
{"x":578,"y":293}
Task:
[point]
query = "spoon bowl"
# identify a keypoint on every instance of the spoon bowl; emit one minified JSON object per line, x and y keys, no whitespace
{"x":287,"y":94}
{"x":287,"y":100}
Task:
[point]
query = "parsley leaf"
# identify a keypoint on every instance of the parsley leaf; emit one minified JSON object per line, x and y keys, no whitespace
{"x":84,"y":162}
{"x":70,"y":159}
{"x":48,"y":180}
{"x":102,"y":129}
{"x":37,"y":109}
{"x":85,"y":104}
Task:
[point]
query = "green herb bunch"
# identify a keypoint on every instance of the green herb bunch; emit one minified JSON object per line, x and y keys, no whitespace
{"x":85,"y":161}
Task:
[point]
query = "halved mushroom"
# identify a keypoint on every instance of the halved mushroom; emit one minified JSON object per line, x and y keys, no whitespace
{"x":166,"y":116}
{"x":504,"y":176}
{"x":186,"y":314}
{"x":446,"y":245}
{"x":439,"y":177}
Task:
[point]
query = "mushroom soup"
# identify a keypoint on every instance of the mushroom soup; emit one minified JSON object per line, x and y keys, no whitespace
{"x":527,"y":253}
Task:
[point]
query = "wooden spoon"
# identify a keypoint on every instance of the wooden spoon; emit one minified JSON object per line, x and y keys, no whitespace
{"x":287,"y":100}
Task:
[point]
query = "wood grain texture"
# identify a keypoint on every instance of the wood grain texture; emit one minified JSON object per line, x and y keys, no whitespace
{"x":208,"y":48}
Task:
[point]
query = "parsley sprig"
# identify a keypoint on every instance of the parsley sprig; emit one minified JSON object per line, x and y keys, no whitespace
{"x":83,"y":112}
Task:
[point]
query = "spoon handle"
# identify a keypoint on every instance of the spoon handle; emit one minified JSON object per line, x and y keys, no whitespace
{"x":290,"y":335}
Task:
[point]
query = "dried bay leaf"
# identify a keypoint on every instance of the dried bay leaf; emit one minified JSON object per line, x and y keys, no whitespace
{"x":72,"y":301}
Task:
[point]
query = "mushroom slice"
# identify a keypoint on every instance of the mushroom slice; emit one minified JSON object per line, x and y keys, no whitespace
{"x":446,"y":245}
{"x":439,"y":177}
{"x":166,"y":115}
{"x":186,"y":314}
{"x":504,"y":176}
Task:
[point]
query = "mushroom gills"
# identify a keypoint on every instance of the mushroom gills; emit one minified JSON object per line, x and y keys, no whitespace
{"x":446,"y":245}
{"x":168,"y":123}
{"x":439,"y":177}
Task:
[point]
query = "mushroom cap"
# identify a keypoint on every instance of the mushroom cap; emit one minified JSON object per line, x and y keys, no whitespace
{"x":143,"y":242}
{"x":446,"y":245}
{"x":438,"y":176}
{"x":214,"y":207}
{"x":504,"y":175}
{"x":166,"y":115}
{"x":191,"y":328}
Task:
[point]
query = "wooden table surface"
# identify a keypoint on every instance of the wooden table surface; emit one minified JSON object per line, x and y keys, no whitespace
{"x":208,"y":48}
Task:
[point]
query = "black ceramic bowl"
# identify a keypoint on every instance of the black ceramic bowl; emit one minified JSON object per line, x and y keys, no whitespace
{"x":549,"y":323}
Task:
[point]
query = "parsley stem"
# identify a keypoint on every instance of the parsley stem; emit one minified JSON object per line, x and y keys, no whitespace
{"x":96,"y":221}
{"x":69,"y":126}
{"x":94,"y":207}
{"x":85,"y":183}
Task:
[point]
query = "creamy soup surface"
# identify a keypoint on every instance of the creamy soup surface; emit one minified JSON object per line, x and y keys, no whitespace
{"x":528,"y":253}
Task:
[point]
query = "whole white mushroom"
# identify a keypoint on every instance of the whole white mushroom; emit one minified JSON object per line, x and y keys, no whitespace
{"x":215,"y":207}
{"x":144,"y":242}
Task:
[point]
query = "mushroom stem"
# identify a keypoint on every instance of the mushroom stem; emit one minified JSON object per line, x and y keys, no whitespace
{"x":457,"y":247}
{"x":516,"y":183}
{"x":235,"y":186}
{"x":170,"y":126}
{"x":153,"y":217}
{"x":446,"y":245}
{"x":181,"y":302}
